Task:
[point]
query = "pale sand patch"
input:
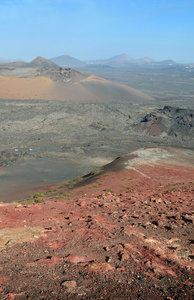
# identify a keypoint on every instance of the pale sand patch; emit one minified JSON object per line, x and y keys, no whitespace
{"x":163,"y":155}
{"x":12,"y":236}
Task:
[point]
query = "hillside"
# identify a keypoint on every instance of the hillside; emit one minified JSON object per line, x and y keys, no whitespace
{"x":169,"y":121}
{"x":67,"y":61}
{"x":53,"y":83}
{"x":14,"y":64}
{"x":41,"y":62}
{"x":125,"y":229}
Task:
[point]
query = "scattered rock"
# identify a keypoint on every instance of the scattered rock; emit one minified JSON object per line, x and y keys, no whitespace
{"x":76,"y":260}
{"x":69,"y":283}
{"x":100,"y":267}
{"x":124,"y":256}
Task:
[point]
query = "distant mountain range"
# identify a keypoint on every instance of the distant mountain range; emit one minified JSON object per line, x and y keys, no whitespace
{"x":118,"y":61}
{"x":124,"y":60}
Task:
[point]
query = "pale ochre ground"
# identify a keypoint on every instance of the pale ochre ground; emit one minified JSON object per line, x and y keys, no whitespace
{"x":91,"y":89}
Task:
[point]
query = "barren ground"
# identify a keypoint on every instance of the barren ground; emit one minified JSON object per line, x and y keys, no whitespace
{"x":124,"y":233}
{"x":58,"y":131}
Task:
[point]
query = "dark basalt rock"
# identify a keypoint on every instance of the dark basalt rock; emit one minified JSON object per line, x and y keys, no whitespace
{"x":177,"y":122}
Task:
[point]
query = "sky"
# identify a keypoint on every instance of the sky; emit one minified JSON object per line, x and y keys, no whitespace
{"x":97,"y":29}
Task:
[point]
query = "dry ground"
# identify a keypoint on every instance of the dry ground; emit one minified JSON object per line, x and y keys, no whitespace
{"x":123,"y":233}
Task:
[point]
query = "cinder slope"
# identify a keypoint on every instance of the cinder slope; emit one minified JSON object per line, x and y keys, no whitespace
{"x":67,"y":84}
{"x":42,"y":62}
{"x":105,"y":89}
{"x":127,"y":230}
{"x":26,"y":88}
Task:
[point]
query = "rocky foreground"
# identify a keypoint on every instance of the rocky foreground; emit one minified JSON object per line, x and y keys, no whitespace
{"x":123,"y":232}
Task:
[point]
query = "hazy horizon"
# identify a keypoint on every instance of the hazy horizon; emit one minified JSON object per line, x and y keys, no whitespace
{"x":91,"y":59}
{"x":91,"y":29}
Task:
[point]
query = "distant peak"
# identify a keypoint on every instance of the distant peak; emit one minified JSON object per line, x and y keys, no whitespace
{"x":121,"y":58}
{"x":38,"y":59}
{"x":147,"y":59}
{"x":124,"y":55}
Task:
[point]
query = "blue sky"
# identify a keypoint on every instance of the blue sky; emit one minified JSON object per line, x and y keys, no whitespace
{"x":93,"y":29}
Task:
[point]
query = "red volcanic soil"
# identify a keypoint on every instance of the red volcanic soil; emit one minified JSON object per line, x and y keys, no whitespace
{"x":124,"y":233}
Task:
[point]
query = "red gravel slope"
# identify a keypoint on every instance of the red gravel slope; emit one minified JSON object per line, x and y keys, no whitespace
{"x":124,"y":233}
